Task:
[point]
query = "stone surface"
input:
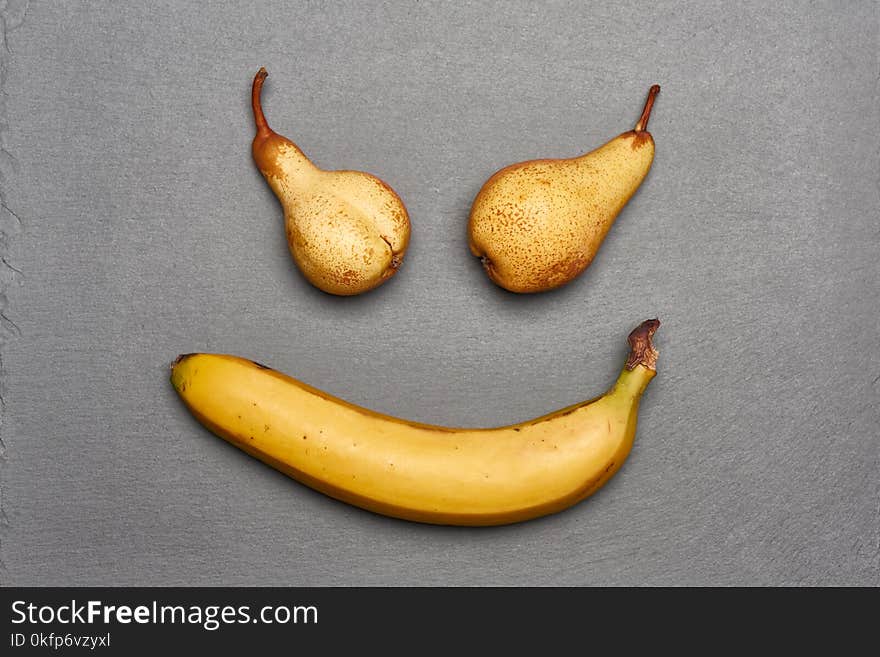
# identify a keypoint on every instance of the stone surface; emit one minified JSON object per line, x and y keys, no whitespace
{"x":145,"y":231}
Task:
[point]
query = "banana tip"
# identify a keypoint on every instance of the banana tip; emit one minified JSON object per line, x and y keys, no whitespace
{"x":642,"y":351}
{"x":177,"y":361}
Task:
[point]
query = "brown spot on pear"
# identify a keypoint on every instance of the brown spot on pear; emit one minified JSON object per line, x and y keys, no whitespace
{"x":537,"y":225}
{"x":347,"y":231}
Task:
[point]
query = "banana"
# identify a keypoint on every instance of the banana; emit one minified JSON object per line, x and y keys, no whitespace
{"x":415,"y":471}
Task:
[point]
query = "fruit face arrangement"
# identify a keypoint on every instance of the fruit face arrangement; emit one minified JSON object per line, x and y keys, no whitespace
{"x":535,"y":225}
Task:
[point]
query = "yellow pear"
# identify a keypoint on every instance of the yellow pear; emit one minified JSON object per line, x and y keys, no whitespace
{"x":346,"y":230}
{"x":536,"y":225}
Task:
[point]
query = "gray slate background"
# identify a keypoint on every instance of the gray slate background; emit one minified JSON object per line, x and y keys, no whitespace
{"x":143,"y":230}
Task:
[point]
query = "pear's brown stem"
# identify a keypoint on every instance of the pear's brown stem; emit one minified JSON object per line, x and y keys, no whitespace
{"x":262,"y":127}
{"x":642,"y":125}
{"x":642,"y":352}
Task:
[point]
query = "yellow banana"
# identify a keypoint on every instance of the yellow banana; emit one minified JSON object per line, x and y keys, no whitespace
{"x":417,"y":471}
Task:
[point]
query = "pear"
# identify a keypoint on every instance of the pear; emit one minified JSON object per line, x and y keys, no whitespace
{"x":537,"y":225}
{"x":347,"y":231}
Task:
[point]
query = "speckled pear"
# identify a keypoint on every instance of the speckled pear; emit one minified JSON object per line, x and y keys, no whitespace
{"x":537,"y":225}
{"x":347,"y":230}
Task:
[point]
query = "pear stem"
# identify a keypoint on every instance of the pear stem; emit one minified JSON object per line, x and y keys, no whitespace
{"x":642,"y":125}
{"x":642,"y":352}
{"x":260,"y":120}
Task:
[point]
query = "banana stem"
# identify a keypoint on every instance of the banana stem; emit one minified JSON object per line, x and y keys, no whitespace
{"x":642,"y":125}
{"x":642,"y":352}
{"x":259,"y":118}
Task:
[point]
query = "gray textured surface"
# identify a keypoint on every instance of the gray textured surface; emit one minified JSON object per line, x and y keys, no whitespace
{"x":146,"y":231}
